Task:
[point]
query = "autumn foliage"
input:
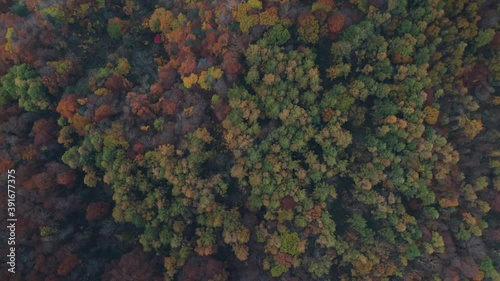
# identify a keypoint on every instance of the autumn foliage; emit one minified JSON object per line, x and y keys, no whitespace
{"x":67,"y":106}
{"x":251,"y":140}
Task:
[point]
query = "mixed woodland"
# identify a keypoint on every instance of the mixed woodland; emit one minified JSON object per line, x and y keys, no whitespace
{"x":252,"y":140}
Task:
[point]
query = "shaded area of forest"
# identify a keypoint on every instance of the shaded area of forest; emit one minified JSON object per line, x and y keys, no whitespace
{"x":252,"y":140}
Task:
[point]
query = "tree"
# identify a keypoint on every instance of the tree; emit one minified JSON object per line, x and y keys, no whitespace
{"x":140,"y":105}
{"x":269,"y":17}
{"x":489,"y":269}
{"x":231,"y":64}
{"x":23,"y":83}
{"x":117,"y":83}
{"x":67,"y":106}
{"x":290,"y":243}
{"x":45,"y":132}
{"x":6,"y":165}
{"x":190,"y":80}
{"x":187,"y":61}
{"x":103,"y":112}
{"x":41,"y":181}
{"x":79,"y":123}
{"x":308,"y":28}
{"x":257,"y":4}
{"x":96,"y":211}
{"x":66,"y":178}
{"x":115,"y":28}
{"x":168,"y":108}
{"x":68,"y":264}
{"x":202,"y":268}
{"x":336,"y":22}
{"x":135,"y":265}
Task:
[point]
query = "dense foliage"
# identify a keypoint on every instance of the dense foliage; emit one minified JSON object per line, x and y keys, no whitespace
{"x":252,"y":140}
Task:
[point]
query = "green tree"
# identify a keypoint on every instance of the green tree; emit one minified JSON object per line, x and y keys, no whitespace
{"x":71,"y":157}
{"x":24,"y":84}
{"x":278,"y":35}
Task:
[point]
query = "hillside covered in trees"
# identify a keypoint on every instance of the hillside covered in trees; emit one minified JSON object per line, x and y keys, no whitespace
{"x":230,"y":140}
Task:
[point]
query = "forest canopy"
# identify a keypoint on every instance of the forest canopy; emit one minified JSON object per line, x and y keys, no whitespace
{"x":252,"y":140}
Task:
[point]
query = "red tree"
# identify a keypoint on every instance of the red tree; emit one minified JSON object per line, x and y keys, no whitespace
{"x":5,"y":165}
{"x":117,"y":83}
{"x":167,"y":76}
{"x":42,"y":181}
{"x":168,"y":108}
{"x":231,"y":63}
{"x":221,"y":110}
{"x":134,"y":266}
{"x":68,"y":264}
{"x":96,"y":211}
{"x":336,"y":23}
{"x":45,"y":131}
{"x":67,"y":178}
{"x":67,"y":106}
{"x":495,"y":43}
{"x":187,"y":61}
{"x":156,"y":89}
{"x":218,"y":47}
{"x":201,"y":268}
{"x":103,"y":112}
{"x":288,"y":203}
{"x":140,"y":105}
